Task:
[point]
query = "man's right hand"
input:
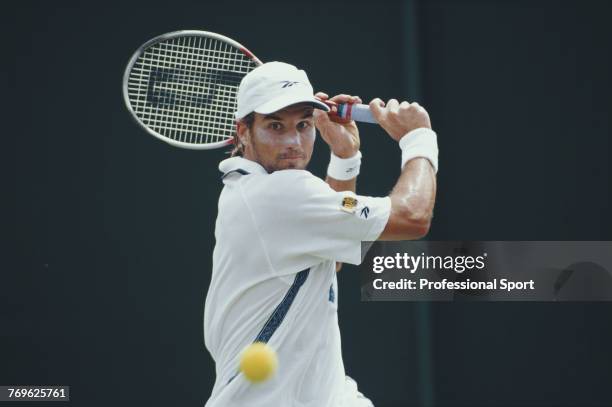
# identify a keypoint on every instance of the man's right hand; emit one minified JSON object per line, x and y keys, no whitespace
{"x":398,"y":119}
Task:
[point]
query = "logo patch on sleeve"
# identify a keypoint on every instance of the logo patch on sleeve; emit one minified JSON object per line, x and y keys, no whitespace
{"x":349,"y":204}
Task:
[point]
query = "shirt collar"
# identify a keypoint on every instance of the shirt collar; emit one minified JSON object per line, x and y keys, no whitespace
{"x":239,"y":163}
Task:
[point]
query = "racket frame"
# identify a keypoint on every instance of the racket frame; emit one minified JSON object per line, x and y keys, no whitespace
{"x":164,"y":37}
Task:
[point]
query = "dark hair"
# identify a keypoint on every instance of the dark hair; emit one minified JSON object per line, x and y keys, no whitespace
{"x":248,"y":121}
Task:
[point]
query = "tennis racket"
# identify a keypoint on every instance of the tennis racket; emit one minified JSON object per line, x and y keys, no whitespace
{"x":181,"y":87}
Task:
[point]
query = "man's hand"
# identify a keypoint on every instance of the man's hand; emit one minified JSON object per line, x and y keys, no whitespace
{"x":398,"y":119}
{"x":341,"y":135}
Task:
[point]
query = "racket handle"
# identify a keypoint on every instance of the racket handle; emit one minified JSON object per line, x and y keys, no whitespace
{"x":357,"y":112}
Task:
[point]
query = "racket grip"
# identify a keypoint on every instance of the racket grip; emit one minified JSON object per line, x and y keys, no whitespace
{"x":357,"y":112}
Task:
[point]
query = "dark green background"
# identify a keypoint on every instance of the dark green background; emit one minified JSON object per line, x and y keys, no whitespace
{"x":104,"y":290}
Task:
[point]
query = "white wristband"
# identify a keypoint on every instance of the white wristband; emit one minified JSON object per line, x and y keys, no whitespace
{"x":344,"y":169}
{"x":421,"y":142}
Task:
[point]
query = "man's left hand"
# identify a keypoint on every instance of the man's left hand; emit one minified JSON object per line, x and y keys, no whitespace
{"x":341,"y":135}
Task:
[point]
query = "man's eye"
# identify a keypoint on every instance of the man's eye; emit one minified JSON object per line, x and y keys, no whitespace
{"x":275,"y":126}
{"x":303,"y":125}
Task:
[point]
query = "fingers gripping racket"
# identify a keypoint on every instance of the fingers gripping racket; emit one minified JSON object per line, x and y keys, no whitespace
{"x":181,"y":87}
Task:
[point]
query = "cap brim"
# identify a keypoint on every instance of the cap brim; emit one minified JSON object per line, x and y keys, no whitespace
{"x":284,"y":101}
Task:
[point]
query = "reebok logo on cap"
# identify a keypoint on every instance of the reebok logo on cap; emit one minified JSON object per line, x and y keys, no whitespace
{"x":289,"y":83}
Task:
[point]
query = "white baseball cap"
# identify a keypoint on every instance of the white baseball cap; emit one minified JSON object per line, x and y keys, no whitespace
{"x":274,"y":86}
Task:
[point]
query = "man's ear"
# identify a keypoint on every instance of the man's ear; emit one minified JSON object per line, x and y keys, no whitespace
{"x":242,"y":130}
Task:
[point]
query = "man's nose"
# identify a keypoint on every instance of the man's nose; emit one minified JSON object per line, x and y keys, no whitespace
{"x":293,"y":138}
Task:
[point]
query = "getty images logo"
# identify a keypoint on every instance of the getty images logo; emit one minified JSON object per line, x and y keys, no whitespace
{"x":287,"y":84}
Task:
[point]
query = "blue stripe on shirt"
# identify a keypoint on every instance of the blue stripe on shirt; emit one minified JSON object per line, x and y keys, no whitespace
{"x":281,"y":310}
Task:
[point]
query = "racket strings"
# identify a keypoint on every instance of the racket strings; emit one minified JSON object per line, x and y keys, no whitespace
{"x":185,"y":88}
{"x":185,"y":105}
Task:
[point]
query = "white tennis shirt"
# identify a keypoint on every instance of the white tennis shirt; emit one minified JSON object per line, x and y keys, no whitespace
{"x":278,"y":237}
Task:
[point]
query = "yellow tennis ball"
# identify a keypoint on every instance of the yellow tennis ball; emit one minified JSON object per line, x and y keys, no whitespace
{"x":258,"y":362}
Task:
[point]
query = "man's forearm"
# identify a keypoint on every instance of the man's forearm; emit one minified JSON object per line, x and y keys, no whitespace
{"x":412,"y":202}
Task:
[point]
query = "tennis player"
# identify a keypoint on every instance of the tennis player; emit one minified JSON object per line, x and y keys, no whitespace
{"x":280,"y":231}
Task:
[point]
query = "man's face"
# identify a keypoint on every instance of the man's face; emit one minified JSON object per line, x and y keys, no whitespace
{"x":280,"y":140}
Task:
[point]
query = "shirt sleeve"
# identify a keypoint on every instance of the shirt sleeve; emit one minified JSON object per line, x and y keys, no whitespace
{"x":301,"y":219}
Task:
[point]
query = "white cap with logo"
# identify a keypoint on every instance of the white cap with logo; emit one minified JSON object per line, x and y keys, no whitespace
{"x":274,"y":86}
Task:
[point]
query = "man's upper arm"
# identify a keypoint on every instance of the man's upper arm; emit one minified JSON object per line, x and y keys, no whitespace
{"x":298,"y":214}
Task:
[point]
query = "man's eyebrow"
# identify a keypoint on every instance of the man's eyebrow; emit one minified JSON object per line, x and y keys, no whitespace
{"x":308,"y":113}
{"x":271,"y":117}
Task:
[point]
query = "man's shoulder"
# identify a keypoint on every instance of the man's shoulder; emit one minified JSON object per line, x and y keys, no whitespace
{"x":292,"y":175}
{"x":284,"y":180}
{"x":284,"y":187}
